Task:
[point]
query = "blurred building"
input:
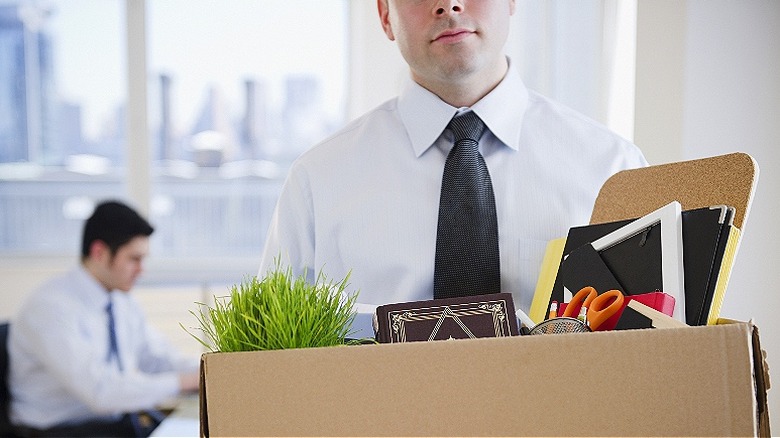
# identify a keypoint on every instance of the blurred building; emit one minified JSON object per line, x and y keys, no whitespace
{"x":166,"y":147}
{"x":27,"y":97}
{"x":213,"y":140}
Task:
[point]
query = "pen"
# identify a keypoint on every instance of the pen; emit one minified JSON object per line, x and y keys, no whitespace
{"x":553,"y":313}
{"x":524,"y":319}
{"x":583,"y":316}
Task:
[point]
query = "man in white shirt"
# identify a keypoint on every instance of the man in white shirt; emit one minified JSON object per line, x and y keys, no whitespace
{"x":366,"y":200}
{"x":83,"y":360}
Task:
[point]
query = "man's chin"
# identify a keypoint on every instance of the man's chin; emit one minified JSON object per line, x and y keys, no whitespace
{"x":459,"y":66}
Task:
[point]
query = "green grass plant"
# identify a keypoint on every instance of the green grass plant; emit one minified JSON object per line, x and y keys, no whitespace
{"x":277,"y":311}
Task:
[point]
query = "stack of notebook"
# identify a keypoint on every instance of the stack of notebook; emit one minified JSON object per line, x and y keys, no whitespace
{"x":635,"y":265}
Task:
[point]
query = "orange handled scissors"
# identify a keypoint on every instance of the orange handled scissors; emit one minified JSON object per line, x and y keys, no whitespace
{"x":600,"y":307}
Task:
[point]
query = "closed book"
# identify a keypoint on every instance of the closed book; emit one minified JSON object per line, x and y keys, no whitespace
{"x":476,"y":316}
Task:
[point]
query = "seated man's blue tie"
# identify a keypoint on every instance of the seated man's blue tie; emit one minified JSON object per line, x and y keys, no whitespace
{"x":113,"y":348}
{"x":467,"y":260}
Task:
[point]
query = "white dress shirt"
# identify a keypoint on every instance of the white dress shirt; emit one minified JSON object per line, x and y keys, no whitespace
{"x":366,"y":199}
{"x":58,"y":348}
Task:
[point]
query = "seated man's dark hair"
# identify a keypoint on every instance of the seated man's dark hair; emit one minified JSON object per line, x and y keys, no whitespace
{"x":115,"y":224}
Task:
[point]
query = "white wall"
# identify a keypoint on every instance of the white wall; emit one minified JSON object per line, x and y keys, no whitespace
{"x":377,"y":70}
{"x":660,"y":65}
{"x":708,"y":83}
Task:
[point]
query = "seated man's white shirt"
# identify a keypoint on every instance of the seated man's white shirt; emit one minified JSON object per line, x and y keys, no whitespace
{"x":58,"y":348}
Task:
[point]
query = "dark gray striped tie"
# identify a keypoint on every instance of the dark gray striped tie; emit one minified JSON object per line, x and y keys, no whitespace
{"x":467,"y":260}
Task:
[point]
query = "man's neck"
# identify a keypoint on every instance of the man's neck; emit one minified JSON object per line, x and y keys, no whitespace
{"x":94,"y":271}
{"x":466,"y":91}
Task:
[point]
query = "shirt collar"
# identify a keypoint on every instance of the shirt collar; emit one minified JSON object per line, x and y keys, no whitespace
{"x":425,"y":115}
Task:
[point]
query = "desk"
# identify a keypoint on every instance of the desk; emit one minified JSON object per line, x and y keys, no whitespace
{"x":184,"y":421}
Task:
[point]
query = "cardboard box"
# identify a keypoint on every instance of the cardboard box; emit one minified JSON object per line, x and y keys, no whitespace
{"x":704,"y":381}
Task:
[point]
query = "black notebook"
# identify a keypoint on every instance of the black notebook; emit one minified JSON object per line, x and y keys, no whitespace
{"x":635,"y":264}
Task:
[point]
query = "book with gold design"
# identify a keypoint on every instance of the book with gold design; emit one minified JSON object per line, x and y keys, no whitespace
{"x":477,"y":316}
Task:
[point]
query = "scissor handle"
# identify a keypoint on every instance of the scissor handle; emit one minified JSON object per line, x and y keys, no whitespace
{"x":583,"y":297}
{"x":603,"y":307}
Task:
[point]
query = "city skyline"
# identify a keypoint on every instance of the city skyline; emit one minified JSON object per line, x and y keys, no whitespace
{"x":185,"y":53}
{"x":75,"y":50}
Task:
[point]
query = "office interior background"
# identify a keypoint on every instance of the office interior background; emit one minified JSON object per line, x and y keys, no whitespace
{"x":192,"y":110}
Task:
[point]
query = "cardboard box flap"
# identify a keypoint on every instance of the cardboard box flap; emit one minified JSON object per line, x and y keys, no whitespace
{"x":204,"y":420}
{"x":761,"y":376}
{"x":687,"y":381}
{"x":762,"y":385}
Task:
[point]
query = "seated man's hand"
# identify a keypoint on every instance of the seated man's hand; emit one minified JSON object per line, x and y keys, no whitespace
{"x":189,"y":382}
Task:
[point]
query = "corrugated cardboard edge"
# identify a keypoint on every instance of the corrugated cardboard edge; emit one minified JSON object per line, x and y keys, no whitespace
{"x":720,"y":180}
{"x":761,"y":378}
{"x":204,"y":418}
{"x":762,"y":384}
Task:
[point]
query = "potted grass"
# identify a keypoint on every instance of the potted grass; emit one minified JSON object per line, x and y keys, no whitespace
{"x":278,"y":311}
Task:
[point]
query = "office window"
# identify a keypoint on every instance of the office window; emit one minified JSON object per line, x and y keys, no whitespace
{"x":236,"y":91}
{"x":62,"y":94}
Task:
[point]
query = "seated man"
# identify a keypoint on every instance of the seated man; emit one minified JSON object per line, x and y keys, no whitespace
{"x":83,"y":360}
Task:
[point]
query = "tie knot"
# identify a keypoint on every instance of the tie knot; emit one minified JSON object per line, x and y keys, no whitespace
{"x":467,"y":126}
